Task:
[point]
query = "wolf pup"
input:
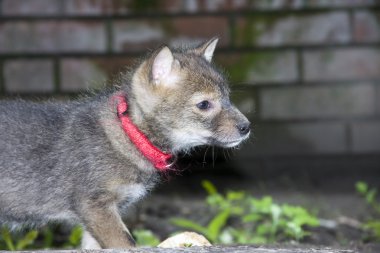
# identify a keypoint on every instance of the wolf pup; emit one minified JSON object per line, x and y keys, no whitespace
{"x":86,"y":161}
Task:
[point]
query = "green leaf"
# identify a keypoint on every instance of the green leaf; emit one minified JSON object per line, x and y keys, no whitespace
{"x":7,"y":239}
{"x":209,"y":187}
{"x":371,"y":196}
{"x":235,"y":195}
{"x":145,"y":238}
{"x":252,"y":217}
{"x":262,"y":205}
{"x":188,"y":224}
{"x":216,"y":224}
{"x":27,"y":240}
{"x":48,"y":237}
{"x":361,"y":187}
{"x":76,"y":236}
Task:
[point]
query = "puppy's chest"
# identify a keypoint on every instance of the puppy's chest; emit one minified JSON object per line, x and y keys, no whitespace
{"x":130,"y":193}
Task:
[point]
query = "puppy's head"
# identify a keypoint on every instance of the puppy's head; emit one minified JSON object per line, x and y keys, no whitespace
{"x":183,"y":96}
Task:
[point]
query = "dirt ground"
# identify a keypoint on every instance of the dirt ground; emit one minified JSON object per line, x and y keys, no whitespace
{"x":332,"y":195}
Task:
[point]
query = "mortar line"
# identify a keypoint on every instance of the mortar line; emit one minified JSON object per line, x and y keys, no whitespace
{"x":2,"y":80}
{"x":300,"y":67}
{"x":351,"y":24}
{"x":109,"y":35}
{"x":57,"y":75}
{"x":158,"y":15}
{"x":232,"y":30}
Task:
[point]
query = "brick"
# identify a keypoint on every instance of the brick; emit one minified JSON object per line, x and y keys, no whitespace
{"x":299,"y":138}
{"x":140,"y":35}
{"x":137,"y":35}
{"x":294,"y":30}
{"x":317,"y":102}
{"x":92,"y":73}
{"x":82,"y":36}
{"x":52,"y":36}
{"x":200,"y":28}
{"x":366,"y":136}
{"x":297,"y":4}
{"x":260,"y":67}
{"x":28,"y":76}
{"x":27,"y":7}
{"x":342,"y":64}
{"x":28,"y":36}
{"x":79,"y":74}
{"x":88,"y":7}
{"x":366,"y":26}
{"x":245,"y":100}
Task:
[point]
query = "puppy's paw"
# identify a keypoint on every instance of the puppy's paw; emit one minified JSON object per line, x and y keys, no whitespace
{"x":186,"y":239}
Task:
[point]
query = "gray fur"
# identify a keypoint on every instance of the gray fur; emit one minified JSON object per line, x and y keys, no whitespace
{"x":72,"y":161}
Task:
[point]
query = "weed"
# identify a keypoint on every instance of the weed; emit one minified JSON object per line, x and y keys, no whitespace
{"x":145,"y":237}
{"x":259,"y":221}
{"x":370,"y":195}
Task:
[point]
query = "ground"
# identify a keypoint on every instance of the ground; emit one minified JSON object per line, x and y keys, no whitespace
{"x":333,"y":196}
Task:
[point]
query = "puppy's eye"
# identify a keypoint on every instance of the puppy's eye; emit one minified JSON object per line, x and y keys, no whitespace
{"x":204,"y":105}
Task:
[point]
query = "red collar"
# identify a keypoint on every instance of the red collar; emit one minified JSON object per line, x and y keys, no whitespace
{"x":158,"y":158}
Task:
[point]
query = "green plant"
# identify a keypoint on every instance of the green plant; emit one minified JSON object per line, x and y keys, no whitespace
{"x":255,"y":220}
{"x":41,"y":239}
{"x":17,"y":242}
{"x":75,"y":237}
{"x":145,"y":237}
{"x":370,"y":196}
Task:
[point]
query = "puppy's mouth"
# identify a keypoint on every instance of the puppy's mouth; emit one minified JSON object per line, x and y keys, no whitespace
{"x":227,"y":144}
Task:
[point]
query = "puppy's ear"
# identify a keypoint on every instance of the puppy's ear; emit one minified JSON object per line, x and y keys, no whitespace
{"x":207,"y":49}
{"x":162,"y":65}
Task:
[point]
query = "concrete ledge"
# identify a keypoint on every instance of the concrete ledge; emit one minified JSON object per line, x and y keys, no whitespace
{"x":213,"y":249}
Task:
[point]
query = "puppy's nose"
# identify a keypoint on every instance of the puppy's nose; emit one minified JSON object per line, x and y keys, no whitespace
{"x":243,"y":128}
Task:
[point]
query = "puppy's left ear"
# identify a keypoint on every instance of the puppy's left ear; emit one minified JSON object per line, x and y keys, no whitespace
{"x":207,"y":49}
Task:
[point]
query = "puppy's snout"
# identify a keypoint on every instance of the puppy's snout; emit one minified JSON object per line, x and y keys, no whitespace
{"x":244,"y":128}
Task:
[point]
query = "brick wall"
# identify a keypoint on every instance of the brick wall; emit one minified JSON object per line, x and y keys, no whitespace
{"x":307,"y":72}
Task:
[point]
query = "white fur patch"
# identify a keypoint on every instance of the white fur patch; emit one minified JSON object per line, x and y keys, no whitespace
{"x":89,"y":242}
{"x":131,"y":193}
{"x":187,"y":138}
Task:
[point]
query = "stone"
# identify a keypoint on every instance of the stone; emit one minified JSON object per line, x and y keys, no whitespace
{"x":317,"y":102}
{"x":28,"y":76}
{"x":27,"y":7}
{"x":298,"y":138}
{"x":185,"y":239}
{"x":299,"y":4}
{"x":89,"y":36}
{"x":342,"y":64}
{"x":137,"y":35}
{"x":260,"y":67}
{"x":22,"y":36}
{"x":81,"y":74}
{"x":331,"y":27}
{"x":52,"y":36}
{"x":366,"y":136}
{"x":366,"y":26}
{"x":149,"y":34}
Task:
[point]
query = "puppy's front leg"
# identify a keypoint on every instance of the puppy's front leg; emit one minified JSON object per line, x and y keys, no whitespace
{"x":105,"y":225}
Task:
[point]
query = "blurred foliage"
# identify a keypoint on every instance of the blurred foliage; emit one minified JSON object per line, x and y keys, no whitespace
{"x":370,"y":196}
{"x":145,"y":237}
{"x":38,"y":239}
{"x":255,"y":220}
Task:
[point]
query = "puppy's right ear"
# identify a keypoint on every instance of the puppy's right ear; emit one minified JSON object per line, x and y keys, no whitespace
{"x":162,"y":65}
{"x":206,"y":50}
